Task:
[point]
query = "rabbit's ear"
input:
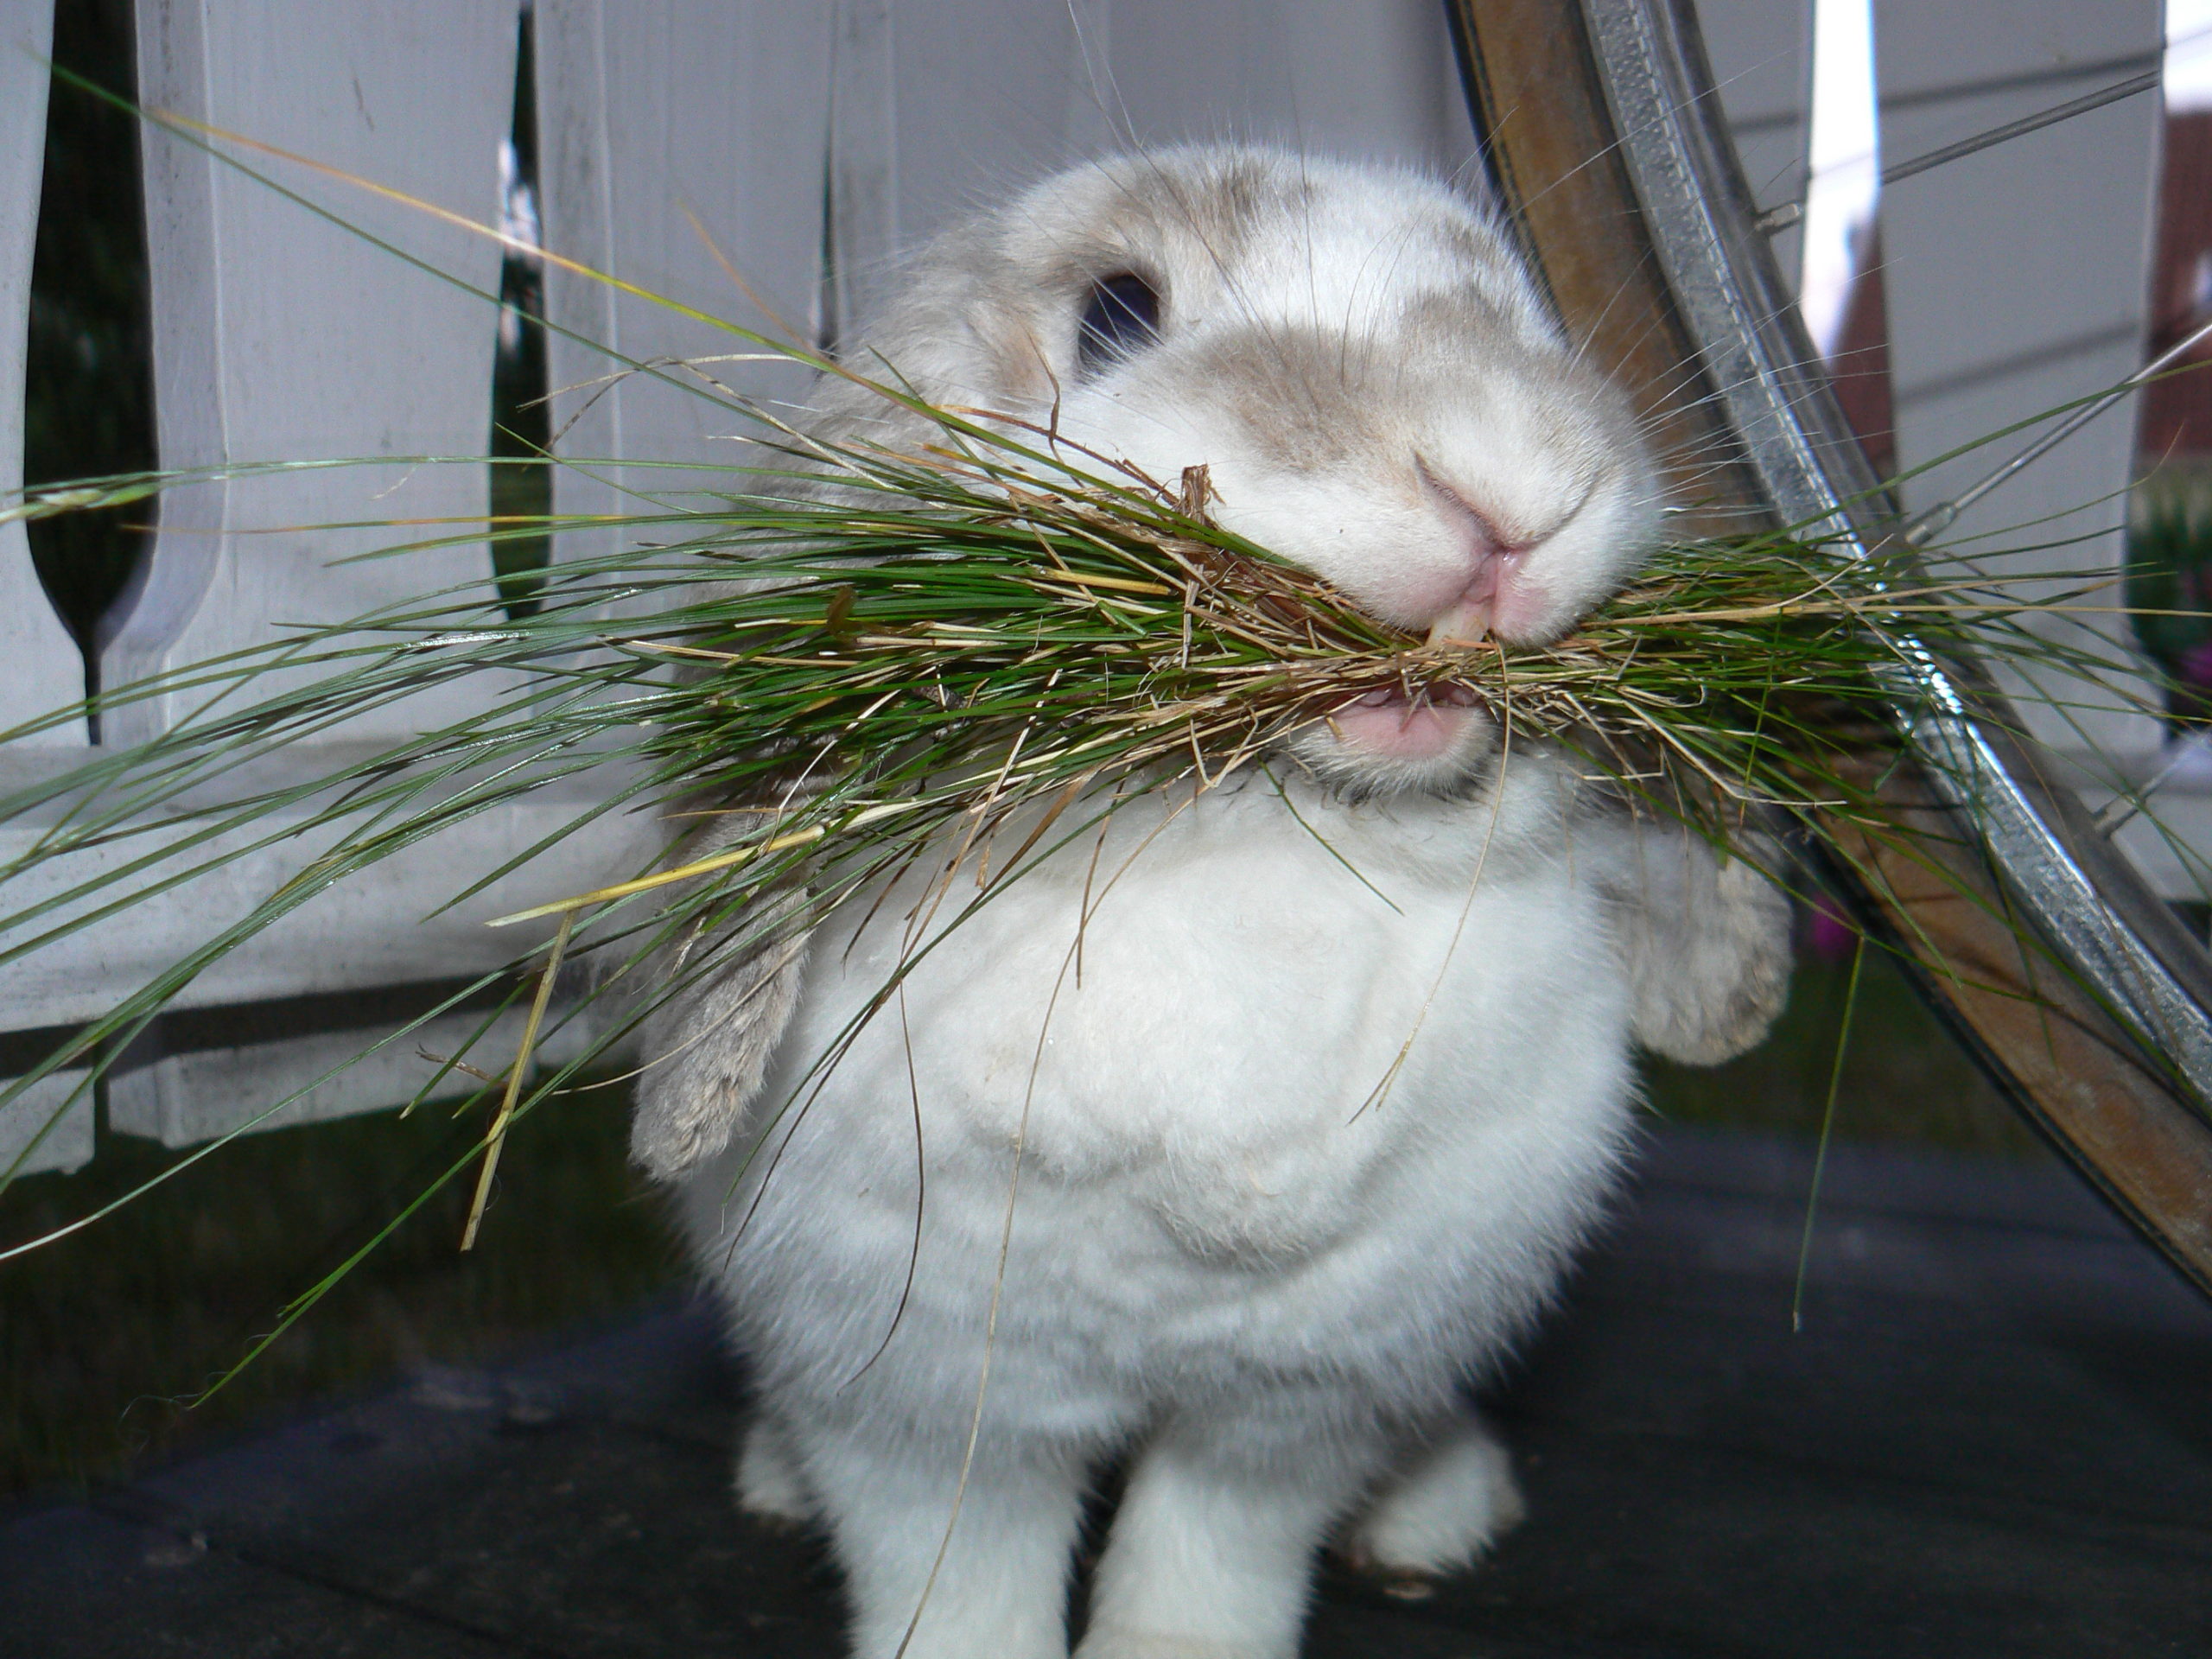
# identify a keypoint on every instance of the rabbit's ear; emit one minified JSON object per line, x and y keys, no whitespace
{"x":707,"y":1051}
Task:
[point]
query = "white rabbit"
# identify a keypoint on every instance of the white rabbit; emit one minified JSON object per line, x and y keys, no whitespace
{"x":1255,"y":1191}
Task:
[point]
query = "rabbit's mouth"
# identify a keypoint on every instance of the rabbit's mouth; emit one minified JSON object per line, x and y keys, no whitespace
{"x":1430,"y":724}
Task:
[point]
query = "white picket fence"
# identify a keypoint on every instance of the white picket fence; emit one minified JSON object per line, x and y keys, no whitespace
{"x":281,"y":336}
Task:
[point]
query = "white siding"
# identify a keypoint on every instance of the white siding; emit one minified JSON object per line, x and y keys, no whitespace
{"x":1761,"y":53}
{"x":651,"y":106}
{"x":1370,"y":83}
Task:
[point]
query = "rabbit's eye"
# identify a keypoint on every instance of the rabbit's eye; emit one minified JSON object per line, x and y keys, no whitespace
{"x":1122,"y":316}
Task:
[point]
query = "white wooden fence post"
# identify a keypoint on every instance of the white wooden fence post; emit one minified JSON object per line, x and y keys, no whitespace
{"x":654,"y":105}
{"x":279,"y":336}
{"x":39,"y":668}
{"x":862,"y":241}
{"x":1372,"y":82}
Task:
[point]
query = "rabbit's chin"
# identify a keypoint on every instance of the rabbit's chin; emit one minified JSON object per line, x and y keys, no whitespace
{"x":1385,"y":743}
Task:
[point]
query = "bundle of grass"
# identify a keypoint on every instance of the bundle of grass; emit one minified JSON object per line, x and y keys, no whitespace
{"x":955,"y":636}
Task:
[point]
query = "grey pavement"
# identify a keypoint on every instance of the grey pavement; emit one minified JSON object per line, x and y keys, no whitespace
{"x":1991,"y":1436}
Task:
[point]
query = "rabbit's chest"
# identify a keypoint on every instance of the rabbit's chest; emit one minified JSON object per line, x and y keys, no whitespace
{"x":1241,"y":1038}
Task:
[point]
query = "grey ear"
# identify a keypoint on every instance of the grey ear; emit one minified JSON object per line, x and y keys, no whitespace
{"x":1709,"y":949}
{"x":707,"y":1051}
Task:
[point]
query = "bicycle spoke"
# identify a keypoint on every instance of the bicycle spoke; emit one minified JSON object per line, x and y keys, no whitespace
{"x":1780,"y":218}
{"x":1941,"y":516}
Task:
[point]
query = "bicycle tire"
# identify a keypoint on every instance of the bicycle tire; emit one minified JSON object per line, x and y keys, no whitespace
{"x":2037,"y":943}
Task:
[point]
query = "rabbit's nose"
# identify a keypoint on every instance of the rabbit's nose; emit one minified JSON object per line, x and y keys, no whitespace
{"x":1490,"y":562}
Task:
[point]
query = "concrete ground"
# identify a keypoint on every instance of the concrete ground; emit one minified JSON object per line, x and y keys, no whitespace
{"x":1991,"y":1436}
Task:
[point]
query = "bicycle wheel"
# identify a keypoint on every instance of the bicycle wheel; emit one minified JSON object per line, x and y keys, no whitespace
{"x":2038,"y":943}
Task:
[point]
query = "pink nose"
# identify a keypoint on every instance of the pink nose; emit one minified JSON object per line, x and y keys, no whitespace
{"x":1491,"y":561}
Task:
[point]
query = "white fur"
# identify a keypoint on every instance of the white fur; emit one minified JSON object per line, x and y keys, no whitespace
{"x":771,"y":1485}
{"x":1250,"y":1167}
{"x":1443,"y":1506}
{"x":1214,"y":1249}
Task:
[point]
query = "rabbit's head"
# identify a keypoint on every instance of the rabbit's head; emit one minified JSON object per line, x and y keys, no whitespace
{"x":1356,"y":357}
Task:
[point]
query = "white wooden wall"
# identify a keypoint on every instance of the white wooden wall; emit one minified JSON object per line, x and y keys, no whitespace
{"x":278,"y":336}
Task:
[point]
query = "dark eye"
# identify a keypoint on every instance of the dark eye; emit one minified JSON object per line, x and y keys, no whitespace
{"x":1122,"y":316}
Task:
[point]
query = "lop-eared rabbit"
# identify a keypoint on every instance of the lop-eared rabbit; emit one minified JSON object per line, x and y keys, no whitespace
{"x":1239,"y":1139}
